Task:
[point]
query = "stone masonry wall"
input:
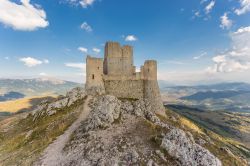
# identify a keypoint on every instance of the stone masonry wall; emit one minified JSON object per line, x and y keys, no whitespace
{"x":94,"y":73}
{"x":125,"y":88}
{"x":152,"y":94}
{"x":118,"y":60}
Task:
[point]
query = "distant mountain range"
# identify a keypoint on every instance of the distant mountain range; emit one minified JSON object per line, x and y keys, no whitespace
{"x":220,"y":87}
{"x":11,"y":96}
{"x":223,"y":96}
{"x":18,"y":88}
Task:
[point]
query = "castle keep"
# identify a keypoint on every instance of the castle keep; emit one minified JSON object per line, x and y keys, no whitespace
{"x":116,"y":75}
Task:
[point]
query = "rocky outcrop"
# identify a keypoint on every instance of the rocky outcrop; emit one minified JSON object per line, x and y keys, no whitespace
{"x":47,"y":108}
{"x":105,"y":110}
{"x":182,"y":147}
{"x":114,"y":134}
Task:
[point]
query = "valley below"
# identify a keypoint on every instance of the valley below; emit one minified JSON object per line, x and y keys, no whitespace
{"x":32,"y":125}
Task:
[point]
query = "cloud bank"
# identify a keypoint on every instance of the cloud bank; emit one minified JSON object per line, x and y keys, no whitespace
{"x":237,"y":58}
{"x":24,"y":16}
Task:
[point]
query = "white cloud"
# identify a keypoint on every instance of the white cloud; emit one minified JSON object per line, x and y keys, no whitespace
{"x":82,"y":3}
{"x":197,"y":14}
{"x":209,"y":7}
{"x":30,"y":62}
{"x":237,"y":58}
{"x":96,"y":50}
{"x":6,"y":58}
{"x":85,"y":26}
{"x":81,"y":66}
{"x":226,"y":23}
{"x":200,"y":56}
{"x":46,"y":61}
{"x":86,"y":3}
{"x":242,"y":30}
{"x":43,"y":74}
{"x":131,"y":38}
{"x":245,"y":7}
{"x":24,"y":16}
{"x":83,"y":49}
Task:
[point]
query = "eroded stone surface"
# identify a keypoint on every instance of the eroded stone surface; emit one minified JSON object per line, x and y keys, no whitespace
{"x":182,"y":147}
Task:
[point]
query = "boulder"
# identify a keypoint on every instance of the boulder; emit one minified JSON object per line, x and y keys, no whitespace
{"x":181,"y":147}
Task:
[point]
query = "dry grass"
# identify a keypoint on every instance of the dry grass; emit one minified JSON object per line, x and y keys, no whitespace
{"x":17,"y":148}
{"x":21,"y":104}
{"x":190,"y":125}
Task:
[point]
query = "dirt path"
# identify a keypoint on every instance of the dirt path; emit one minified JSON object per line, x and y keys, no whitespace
{"x":53,"y":153}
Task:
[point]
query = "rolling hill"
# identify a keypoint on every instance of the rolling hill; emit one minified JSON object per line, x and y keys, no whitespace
{"x":36,"y":87}
{"x":233,"y":97}
{"x":228,"y":124}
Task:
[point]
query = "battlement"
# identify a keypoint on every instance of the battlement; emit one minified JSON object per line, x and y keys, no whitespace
{"x":116,"y":75}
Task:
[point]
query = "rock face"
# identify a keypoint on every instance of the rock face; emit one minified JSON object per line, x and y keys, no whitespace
{"x":51,"y":108}
{"x":183,"y":148}
{"x":106,"y":109}
{"x":119,"y":132}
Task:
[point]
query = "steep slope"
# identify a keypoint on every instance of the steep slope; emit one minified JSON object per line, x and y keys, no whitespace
{"x":23,"y":137}
{"x":115,"y":132}
{"x":53,"y":153}
{"x":229,"y":124}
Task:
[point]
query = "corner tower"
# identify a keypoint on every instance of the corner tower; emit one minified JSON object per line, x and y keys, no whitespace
{"x":94,"y":74}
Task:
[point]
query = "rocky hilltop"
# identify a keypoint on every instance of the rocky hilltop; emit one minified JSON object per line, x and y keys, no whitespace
{"x":79,"y":129}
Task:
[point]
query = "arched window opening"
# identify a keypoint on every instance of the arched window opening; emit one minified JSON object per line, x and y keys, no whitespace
{"x":93,"y":76}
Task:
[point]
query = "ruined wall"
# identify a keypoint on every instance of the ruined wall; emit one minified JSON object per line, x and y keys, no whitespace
{"x":112,"y":58}
{"x":150,"y":70}
{"x":118,"y":60}
{"x":116,"y":76}
{"x":125,"y":88}
{"x":127,"y":60}
{"x":94,"y":75}
{"x":151,"y":87}
{"x":152,"y":94}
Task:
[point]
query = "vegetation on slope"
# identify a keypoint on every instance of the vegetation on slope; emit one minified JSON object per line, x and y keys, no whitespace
{"x":22,"y":140}
{"x":228,"y":150}
{"x":24,"y":104}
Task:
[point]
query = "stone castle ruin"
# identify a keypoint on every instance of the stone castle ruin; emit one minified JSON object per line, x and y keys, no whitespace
{"x":116,"y":75}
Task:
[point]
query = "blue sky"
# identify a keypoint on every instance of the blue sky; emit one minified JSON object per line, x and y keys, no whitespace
{"x":194,"y":41}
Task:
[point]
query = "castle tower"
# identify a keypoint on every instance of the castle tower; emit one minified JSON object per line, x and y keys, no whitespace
{"x":112,"y":59}
{"x":118,"y":61}
{"x":150,"y":70}
{"x":127,"y":60}
{"x":94,"y":73}
{"x":151,"y":87}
